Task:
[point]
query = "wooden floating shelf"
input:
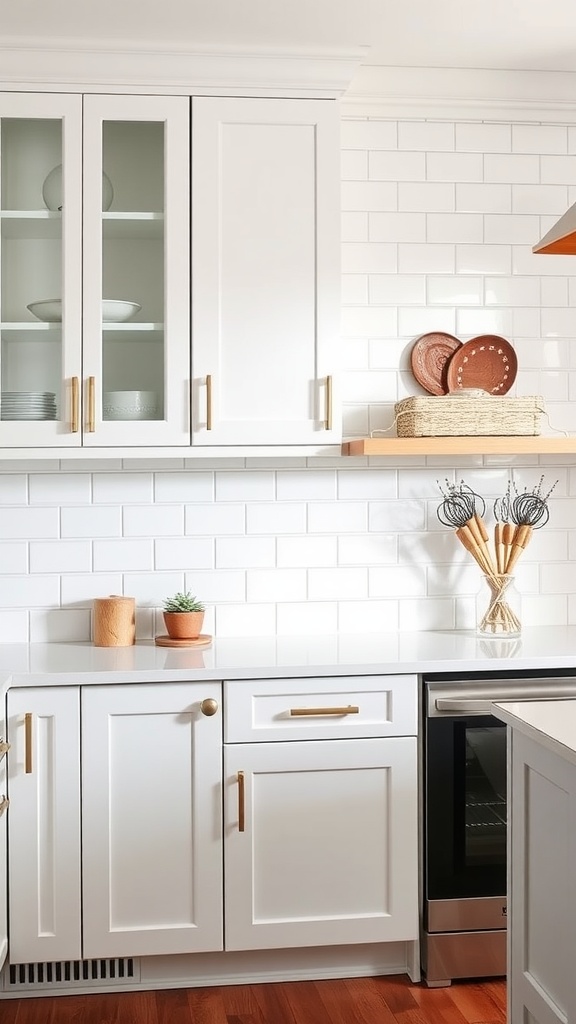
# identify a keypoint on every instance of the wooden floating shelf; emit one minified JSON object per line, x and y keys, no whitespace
{"x":477,"y":445}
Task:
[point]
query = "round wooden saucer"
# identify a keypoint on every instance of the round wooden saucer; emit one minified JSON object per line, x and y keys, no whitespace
{"x":203,"y":640}
{"x":487,"y":361}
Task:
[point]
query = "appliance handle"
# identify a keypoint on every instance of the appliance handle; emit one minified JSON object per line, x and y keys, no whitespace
{"x":472,"y":707}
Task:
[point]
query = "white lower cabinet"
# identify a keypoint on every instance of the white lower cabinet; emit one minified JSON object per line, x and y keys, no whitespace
{"x":321,"y":822}
{"x":44,"y":862}
{"x":118,"y":842}
{"x":151,"y":819}
{"x":3,"y":840}
{"x":320,"y":843}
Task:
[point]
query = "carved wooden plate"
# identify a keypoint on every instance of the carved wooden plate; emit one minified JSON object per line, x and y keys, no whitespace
{"x":429,"y":359}
{"x":487,"y":362}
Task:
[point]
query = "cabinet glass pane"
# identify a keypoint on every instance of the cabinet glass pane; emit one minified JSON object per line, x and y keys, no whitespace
{"x":31,"y":268}
{"x":133,"y":336}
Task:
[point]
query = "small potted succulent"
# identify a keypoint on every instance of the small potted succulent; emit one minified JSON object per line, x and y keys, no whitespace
{"x":183,"y":616}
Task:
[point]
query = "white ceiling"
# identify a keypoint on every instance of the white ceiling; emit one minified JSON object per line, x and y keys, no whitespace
{"x":536,"y":35}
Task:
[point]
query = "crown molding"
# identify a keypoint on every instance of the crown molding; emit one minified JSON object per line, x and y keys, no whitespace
{"x":462,"y":93}
{"x":32,"y":65}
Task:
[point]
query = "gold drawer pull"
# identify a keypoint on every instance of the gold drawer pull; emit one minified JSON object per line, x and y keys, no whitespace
{"x":75,"y":405}
{"x":28,"y":743}
{"x":4,"y":748}
{"x":240,"y":779}
{"x":349,"y":710}
{"x":328,"y":420}
{"x":4,"y":801}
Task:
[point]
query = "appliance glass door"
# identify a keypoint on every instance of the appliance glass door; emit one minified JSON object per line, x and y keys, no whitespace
{"x":465,"y":832}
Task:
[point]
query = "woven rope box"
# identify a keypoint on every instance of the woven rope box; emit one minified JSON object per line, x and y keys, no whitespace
{"x":463,"y":416}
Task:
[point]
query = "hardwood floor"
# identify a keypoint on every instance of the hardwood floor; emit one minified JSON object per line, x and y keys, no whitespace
{"x":389,"y":1000}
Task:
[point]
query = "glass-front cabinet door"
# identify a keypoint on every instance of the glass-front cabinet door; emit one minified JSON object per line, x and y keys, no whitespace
{"x":40,"y":270}
{"x":94,"y":264}
{"x":136,"y":283}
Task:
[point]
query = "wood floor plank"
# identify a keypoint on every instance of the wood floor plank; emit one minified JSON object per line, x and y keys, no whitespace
{"x":479,"y":1004}
{"x":380,"y":1000}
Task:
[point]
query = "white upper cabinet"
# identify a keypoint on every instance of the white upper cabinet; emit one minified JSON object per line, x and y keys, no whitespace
{"x":94,"y":298}
{"x":40,"y":260}
{"x":265,"y":271}
{"x":136,"y":271}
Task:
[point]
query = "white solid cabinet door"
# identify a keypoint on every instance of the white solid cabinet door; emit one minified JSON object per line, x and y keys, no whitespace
{"x":137,"y":250}
{"x":265,"y":271}
{"x":151,"y":820}
{"x":3,"y":843}
{"x":328,"y":853}
{"x":44,"y":833}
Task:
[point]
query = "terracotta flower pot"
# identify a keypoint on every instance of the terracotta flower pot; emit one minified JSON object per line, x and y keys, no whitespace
{"x":183,"y":625}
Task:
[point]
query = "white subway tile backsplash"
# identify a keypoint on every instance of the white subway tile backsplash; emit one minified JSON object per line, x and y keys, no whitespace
{"x":272,"y":585}
{"x":456,"y":227}
{"x":59,"y":488}
{"x":307,"y":551}
{"x":28,"y":523}
{"x":438,"y":223}
{"x":115,"y":488}
{"x":426,"y":135}
{"x":483,"y":138}
{"x":426,"y":197}
{"x":478,"y":197}
{"x":515,"y":168}
{"x":123,"y":555}
{"x":91,"y":521}
{"x":245,"y":552}
{"x":153,"y":520}
{"x":247,"y":485}
{"x":60,"y":556}
{"x":397,"y":166}
{"x":183,"y":553}
{"x":183,"y":487}
{"x":307,"y":619}
{"x":81,"y":589}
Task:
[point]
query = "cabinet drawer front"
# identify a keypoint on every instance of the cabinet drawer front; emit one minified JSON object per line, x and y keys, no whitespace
{"x":331,"y":708}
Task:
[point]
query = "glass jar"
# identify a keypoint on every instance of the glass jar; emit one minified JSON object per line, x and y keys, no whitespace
{"x":498,"y":608}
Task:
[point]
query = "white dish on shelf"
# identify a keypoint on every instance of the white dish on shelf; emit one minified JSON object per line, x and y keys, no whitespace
{"x":129,"y":405}
{"x":113,"y":310}
{"x":52,"y":190}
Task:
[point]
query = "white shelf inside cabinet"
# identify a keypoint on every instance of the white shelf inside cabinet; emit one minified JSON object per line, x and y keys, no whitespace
{"x":31,"y":223}
{"x":27,"y":325}
{"x":109,"y":325}
{"x":132,"y":225}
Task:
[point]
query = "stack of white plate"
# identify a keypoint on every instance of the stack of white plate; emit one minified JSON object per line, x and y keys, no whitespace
{"x":129,"y":405}
{"x":27,"y":405}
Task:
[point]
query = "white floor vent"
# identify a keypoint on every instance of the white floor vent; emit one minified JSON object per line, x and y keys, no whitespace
{"x":70,"y":974}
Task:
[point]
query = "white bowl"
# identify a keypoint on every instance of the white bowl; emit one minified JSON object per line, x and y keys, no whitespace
{"x":129,"y":405}
{"x":52,"y":190}
{"x":113,"y":310}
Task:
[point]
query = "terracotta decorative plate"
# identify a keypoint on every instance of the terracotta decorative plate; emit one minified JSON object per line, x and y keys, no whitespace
{"x":487,"y":362}
{"x":429,"y":359}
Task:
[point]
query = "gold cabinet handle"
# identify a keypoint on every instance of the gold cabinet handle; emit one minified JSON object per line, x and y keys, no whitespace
{"x":209,"y":707}
{"x":91,"y":424}
{"x":4,"y":801}
{"x":75,"y":405}
{"x":28,"y":743}
{"x":240,"y":780}
{"x":208,"y":401}
{"x":328,"y":420}
{"x":304,"y":712}
{"x":4,"y":747}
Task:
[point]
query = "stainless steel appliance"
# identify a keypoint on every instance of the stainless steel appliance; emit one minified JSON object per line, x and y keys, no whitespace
{"x":464,"y":820}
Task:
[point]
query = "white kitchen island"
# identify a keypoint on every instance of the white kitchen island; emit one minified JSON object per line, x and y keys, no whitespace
{"x":542,"y":860}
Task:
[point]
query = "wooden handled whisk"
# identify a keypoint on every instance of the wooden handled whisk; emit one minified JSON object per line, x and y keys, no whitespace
{"x":518,"y":517}
{"x":463,"y":509}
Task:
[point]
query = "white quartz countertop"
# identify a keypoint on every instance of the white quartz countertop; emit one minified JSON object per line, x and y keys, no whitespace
{"x":274,"y":657}
{"x":552,"y":723}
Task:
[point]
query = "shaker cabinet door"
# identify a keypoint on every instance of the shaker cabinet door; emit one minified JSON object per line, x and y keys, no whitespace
{"x":321,"y":842}
{"x":44,"y":833}
{"x":151,"y":820}
{"x":265,"y":271}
